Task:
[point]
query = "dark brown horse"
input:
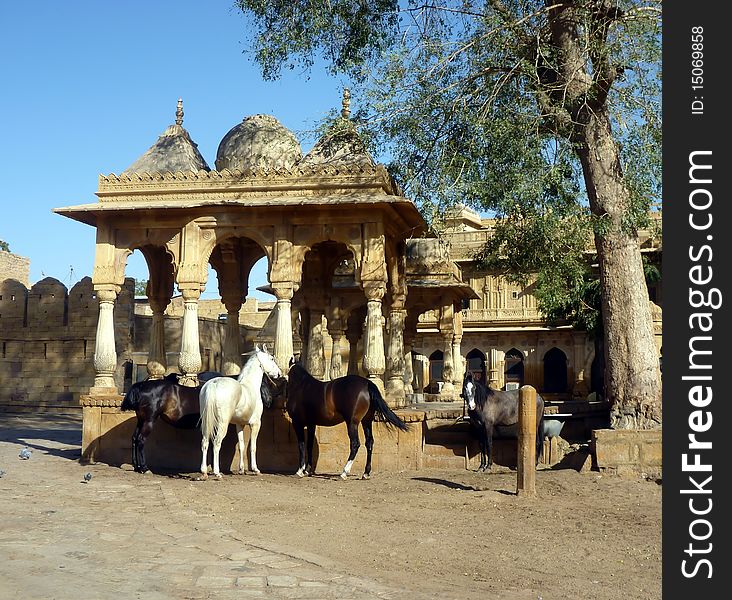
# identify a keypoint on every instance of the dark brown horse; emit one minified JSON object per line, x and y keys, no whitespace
{"x":177,"y":405}
{"x":351,"y":399}
{"x":488,"y":408}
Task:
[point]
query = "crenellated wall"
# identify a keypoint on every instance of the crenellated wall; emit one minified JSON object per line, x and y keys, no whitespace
{"x":47,"y":338}
{"x":47,"y":341}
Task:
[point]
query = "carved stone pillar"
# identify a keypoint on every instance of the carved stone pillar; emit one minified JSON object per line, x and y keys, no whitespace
{"x":156,"y":359}
{"x":315,"y":361}
{"x":457,"y":357}
{"x":494,"y":365}
{"x":189,"y":360}
{"x":283,"y":332}
{"x":447,"y":393}
{"x":408,"y":377}
{"x":580,"y":389}
{"x":374,"y":361}
{"x":231,"y":362}
{"x":395,"y":355}
{"x":447,"y":331}
{"x":232,"y":296}
{"x":105,"y":353}
{"x":336,"y":330}
{"x":353,"y":334}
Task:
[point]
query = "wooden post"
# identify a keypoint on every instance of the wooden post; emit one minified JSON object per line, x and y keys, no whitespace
{"x":526,"y":458}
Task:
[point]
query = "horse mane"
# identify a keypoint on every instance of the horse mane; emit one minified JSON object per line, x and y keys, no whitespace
{"x":249,"y":366}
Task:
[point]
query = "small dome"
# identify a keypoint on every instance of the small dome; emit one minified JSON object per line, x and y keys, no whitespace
{"x":174,"y":151}
{"x":259,"y":141}
{"x":340,"y":145}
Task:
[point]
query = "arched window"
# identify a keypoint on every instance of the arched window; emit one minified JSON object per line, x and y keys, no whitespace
{"x":555,"y":371}
{"x":436,"y":366}
{"x":514,"y":372}
{"x":476,"y":363}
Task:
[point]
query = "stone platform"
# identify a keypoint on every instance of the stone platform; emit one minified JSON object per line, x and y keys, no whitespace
{"x":438,"y":437}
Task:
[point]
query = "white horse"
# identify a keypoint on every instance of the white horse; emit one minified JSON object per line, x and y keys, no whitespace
{"x":224,"y":400}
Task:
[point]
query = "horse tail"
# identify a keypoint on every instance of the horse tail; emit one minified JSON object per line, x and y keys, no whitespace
{"x":132,"y":399}
{"x":382,"y":409}
{"x":210,"y":415}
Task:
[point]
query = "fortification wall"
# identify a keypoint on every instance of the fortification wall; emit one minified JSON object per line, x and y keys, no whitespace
{"x":13,"y":266}
{"x":47,"y":338}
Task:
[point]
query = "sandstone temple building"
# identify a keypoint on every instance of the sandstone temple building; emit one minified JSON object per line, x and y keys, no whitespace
{"x":357,"y":283}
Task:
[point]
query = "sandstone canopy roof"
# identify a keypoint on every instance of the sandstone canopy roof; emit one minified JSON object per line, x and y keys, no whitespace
{"x":174,"y":151}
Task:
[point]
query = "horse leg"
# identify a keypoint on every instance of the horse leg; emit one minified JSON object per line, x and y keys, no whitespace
{"x":242,"y":448}
{"x":310,"y":470}
{"x":204,"y":458}
{"x":483,"y":449}
{"x":253,"y":433}
{"x":368,"y":432}
{"x":353,"y":436}
{"x":219,"y":436}
{"x":489,"y":446}
{"x":300,"y":433}
{"x":144,"y":432}
{"x":135,"y":451}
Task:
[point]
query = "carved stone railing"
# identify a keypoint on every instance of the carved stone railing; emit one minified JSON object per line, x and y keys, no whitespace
{"x":501,"y":314}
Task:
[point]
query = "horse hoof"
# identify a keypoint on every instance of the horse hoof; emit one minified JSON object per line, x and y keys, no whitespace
{"x":256,"y":471}
{"x":217,"y":476}
{"x":344,"y":476}
{"x":241,"y":472}
{"x":366,"y":476}
{"x":201,"y":477}
{"x":148,"y":472}
{"x":300,"y":473}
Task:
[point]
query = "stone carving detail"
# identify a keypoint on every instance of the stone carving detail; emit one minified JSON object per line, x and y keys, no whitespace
{"x":283,"y":351}
{"x":189,"y":360}
{"x":105,"y":354}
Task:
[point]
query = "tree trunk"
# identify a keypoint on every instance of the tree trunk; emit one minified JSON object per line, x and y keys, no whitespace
{"x":632,"y":373}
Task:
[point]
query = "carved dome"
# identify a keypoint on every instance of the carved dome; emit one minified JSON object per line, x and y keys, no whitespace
{"x":259,"y":141}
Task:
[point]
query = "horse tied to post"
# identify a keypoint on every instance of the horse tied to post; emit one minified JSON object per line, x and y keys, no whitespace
{"x":351,"y":399}
{"x":177,"y":405}
{"x":488,"y":407}
{"x":224,"y":400}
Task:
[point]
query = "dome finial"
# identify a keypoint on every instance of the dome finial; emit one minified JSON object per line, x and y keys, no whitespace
{"x":346,"y":110}
{"x":179,"y":112}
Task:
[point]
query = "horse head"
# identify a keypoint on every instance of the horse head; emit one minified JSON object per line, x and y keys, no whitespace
{"x":267,"y":361}
{"x":469,"y":390}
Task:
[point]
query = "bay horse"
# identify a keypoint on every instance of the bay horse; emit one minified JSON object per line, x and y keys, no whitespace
{"x":224,"y":400}
{"x":177,"y":405}
{"x":351,"y":399}
{"x":488,"y":407}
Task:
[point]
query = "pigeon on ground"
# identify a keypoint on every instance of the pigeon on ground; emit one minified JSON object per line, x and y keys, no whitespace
{"x":25,"y":454}
{"x":87,"y":477}
{"x":1,"y":473}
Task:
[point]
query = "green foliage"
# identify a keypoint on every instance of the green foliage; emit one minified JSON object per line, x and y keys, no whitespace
{"x":141,"y":288}
{"x":4,"y":246}
{"x":487,"y":103}
{"x":348,"y":33}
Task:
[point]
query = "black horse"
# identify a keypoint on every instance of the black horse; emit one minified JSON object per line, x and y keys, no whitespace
{"x":351,"y":399}
{"x":178,"y":405}
{"x":488,"y":407}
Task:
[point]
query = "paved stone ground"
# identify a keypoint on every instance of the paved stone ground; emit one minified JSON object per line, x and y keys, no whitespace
{"x":123,"y":536}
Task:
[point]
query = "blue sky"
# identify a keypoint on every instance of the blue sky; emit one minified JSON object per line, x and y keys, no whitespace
{"x":88,"y":86}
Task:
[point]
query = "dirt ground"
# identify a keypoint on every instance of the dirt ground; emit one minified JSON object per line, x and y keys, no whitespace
{"x":585,"y":535}
{"x":446,"y":533}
